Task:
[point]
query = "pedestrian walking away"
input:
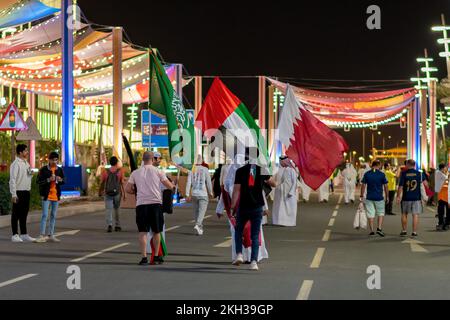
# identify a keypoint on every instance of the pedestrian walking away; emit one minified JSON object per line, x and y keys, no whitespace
{"x":391,"y":178}
{"x":112,"y":188}
{"x":374,"y":182}
{"x":247,"y":205}
{"x":199,"y":181}
{"x":409,"y":195}
{"x":441,"y":188}
{"x":146,"y":183}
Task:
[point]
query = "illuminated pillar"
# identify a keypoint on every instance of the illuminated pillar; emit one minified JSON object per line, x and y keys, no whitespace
{"x":271,"y":124}
{"x":262,"y":102}
{"x":415,"y":137}
{"x":423,"y":120}
{"x":433,"y":102}
{"x":179,"y":80}
{"x":197,"y":106}
{"x":31,"y":104}
{"x":198,"y":95}
{"x":67,"y":142}
{"x":117,"y":92}
{"x":409,"y":132}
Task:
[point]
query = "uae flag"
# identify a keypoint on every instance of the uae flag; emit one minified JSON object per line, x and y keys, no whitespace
{"x":164,"y":100}
{"x":316,"y":149}
{"x":223,"y":110}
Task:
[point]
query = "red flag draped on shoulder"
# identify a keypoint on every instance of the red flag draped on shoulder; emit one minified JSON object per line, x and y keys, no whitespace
{"x":316,"y":149}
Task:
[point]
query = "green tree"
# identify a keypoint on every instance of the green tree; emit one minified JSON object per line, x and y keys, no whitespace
{"x":5,"y":150}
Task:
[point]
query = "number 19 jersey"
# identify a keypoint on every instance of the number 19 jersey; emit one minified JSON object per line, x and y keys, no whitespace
{"x":410,"y":180}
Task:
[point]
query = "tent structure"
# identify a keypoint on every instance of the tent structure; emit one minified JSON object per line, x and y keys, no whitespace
{"x":353,"y":109}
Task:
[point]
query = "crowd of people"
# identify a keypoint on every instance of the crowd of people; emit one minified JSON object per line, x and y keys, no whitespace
{"x":242,"y":189}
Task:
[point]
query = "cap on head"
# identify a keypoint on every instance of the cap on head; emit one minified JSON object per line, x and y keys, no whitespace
{"x":156,"y":155}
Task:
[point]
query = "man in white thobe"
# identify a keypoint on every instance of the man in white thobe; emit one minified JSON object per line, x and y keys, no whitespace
{"x":324,"y":191}
{"x":306,"y":190}
{"x":349,"y":175}
{"x":284,"y":211}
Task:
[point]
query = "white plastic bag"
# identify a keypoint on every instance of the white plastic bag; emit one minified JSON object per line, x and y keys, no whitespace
{"x":360,"y":221}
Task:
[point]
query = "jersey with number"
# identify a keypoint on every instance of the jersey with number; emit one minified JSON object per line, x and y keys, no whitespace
{"x":410,"y":180}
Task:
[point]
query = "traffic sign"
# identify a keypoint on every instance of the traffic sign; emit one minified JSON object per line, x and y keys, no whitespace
{"x":31,"y":134}
{"x":12,"y":120}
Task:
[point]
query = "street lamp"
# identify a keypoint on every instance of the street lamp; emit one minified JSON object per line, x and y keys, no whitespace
{"x":445,"y":41}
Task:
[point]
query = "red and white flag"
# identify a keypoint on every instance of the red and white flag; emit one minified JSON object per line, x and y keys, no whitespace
{"x":316,"y":149}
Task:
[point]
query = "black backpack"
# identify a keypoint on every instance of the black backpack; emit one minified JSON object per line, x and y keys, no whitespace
{"x":112,"y":185}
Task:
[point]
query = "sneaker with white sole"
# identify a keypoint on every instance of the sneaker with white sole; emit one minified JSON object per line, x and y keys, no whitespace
{"x":16,"y":238}
{"x":239,"y":260}
{"x":52,"y":239}
{"x":27,"y":238}
{"x":198,"y":230}
{"x":254,"y":266}
{"x":41,"y":239}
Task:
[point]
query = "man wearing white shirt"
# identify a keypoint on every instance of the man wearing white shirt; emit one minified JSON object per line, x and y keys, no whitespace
{"x":20,"y":186}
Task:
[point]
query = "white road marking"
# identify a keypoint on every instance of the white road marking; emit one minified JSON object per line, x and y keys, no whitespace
{"x":317,"y":258}
{"x":70,"y":232}
{"x":335,"y":212}
{"x":172,"y":228}
{"x":225,"y":244}
{"x":100,"y":252}
{"x":326,"y":235}
{"x":415,"y":245}
{"x":27,"y":276}
{"x":337,"y":207}
{"x":305,"y":290}
{"x":340,"y":198}
{"x":331,"y":222}
{"x":431,"y":210}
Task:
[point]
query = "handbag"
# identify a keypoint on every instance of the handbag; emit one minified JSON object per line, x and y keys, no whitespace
{"x":360,"y":221}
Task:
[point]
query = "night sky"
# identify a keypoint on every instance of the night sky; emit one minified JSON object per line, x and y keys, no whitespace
{"x":301,"y":40}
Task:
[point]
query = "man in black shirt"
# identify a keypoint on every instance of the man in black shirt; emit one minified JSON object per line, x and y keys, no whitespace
{"x":248,"y":204}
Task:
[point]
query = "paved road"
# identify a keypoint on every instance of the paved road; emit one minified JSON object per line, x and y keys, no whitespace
{"x":306,"y":262}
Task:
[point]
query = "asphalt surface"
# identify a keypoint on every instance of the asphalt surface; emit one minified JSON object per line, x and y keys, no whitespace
{"x":302,"y":264}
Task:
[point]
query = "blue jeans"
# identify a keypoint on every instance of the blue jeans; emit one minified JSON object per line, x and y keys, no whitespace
{"x":54,"y":208}
{"x":255,"y":217}
{"x":112,"y":202}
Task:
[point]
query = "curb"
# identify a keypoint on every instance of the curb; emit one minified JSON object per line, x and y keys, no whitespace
{"x":35,"y":216}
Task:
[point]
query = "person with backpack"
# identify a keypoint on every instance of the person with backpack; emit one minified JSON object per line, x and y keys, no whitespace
{"x":111,"y":187}
{"x":50,"y":179}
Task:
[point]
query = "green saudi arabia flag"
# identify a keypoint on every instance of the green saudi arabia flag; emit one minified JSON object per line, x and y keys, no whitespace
{"x":164,"y":100}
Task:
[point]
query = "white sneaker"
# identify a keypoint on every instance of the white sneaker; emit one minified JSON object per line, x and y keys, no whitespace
{"x":53,"y":239}
{"x":200,"y":231}
{"x":16,"y":238}
{"x":27,"y":238}
{"x":197,"y":230}
{"x":41,"y":239}
{"x":254,"y":266}
{"x":239,"y":260}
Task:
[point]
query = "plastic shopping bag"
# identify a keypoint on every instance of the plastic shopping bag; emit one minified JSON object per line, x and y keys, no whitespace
{"x":360,"y":221}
